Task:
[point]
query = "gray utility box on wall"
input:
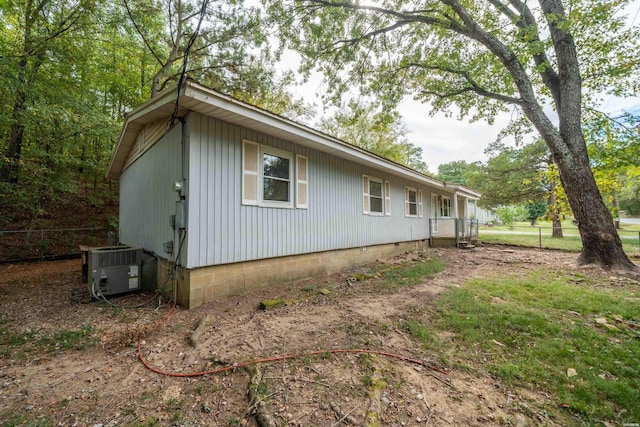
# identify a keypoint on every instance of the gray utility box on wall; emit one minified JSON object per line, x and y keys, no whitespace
{"x":114,"y":270}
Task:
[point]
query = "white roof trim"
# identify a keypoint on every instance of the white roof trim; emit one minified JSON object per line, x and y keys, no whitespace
{"x":212,"y":103}
{"x":463,"y":191}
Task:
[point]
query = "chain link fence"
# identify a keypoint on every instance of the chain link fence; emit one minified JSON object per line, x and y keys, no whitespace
{"x":543,"y":237}
{"x":42,"y":244}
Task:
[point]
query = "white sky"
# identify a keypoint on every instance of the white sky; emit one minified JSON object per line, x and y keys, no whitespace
{"x":445,"y":139}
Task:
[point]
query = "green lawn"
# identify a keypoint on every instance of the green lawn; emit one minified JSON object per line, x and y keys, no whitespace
{"x":523,"y":234}
{"x":529,"y":331}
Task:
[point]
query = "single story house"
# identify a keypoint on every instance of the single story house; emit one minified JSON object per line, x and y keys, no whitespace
{"x":241,"y":198}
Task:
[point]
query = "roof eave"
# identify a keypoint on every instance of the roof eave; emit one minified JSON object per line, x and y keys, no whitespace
{"x":195,"y":97}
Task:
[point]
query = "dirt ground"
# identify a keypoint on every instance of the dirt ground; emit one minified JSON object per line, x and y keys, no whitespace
{"x":97,"y":379}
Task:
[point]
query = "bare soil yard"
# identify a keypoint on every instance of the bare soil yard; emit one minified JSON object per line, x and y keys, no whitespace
{"x":68,"y":362}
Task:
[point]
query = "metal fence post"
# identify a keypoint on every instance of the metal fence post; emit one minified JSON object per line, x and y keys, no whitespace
{"x":540,"y":237}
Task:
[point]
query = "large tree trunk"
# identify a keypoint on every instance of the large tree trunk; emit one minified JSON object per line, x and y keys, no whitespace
{"x":600,"y":241}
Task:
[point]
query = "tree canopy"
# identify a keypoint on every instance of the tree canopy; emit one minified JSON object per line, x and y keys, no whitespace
{"x":484,"y":57}
{"x":511,"y":175}
{"x":454,"y":171}
{"x":69,"y":70}
{"x":379,"y":131}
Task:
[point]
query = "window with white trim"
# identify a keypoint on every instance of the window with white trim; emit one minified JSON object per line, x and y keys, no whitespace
{"x":376,"y":196}
{"x":277,"y":168}
{"x":445,"y":207}
{"x":412,"y":202}
{"x":268,"y":177}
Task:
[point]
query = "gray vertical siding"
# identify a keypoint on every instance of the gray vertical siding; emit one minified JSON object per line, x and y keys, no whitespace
{"x":222,"y":230}
{"x":147,"y":198}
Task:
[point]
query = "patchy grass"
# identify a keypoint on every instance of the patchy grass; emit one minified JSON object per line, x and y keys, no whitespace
{"x":23,"y":421}
{"x":412,"y":273}
{"x":32,"y":342}
{"x":528,"y":331}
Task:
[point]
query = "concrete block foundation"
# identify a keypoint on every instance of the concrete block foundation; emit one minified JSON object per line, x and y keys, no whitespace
{"x":201,"y":285}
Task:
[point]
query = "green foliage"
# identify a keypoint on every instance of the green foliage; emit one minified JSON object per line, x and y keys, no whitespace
{"x":511,"y":175}
{"x":535,"y":210}
{"x":629,"y":196}
{"x":510,"y":214}
{"x":63,"y":106}
{"x":542,"y":62}
{"x":14,"y":420}
{"x":614,"y":150}
{"x":421,"y":332}
{"x":523,"y":235}
{"x":453,"y":171}
{"x":69,"y":70}
{"x":33,"y":341}
{"x":375,"y":130}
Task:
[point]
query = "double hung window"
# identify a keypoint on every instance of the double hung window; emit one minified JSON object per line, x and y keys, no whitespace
{"x":412,"y":202}
{"x":268,"y":177}
{"x":376,"y":196}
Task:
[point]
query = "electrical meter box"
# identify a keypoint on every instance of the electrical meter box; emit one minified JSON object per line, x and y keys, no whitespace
{"x":114,"y":270}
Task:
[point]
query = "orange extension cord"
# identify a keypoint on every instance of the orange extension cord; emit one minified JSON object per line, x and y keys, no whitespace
{"x":273,"y":359}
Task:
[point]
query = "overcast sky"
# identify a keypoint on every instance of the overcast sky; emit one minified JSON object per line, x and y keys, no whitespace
{"x":445,"y":139}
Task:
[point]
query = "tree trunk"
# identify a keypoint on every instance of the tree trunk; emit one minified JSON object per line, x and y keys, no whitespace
{"x":556,"y":223}
{"x":600,"y":241}
{"x":553,"y":208}
{"x":10,"y":171}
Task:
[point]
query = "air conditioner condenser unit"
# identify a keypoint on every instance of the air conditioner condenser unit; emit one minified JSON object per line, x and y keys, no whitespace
{"x":114,"y":270}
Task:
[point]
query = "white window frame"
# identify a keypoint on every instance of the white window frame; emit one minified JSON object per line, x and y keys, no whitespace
{"x":382,"y":200}
{"x":265,"y":149}
{"x":446,"y":214}
{"x":407,"y":203}
{"x":385,"y":198}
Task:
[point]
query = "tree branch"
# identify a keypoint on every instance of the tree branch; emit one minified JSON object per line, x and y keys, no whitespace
{"x":139,"y":30}
{"x":510,"y":61}
{"x":473,"y":85}
{"x":611,"y":119}
{"x":372,"y":34}
{"x":570,"y":93}
{"x":412,"y":16}
{"x":65,"y":24}
{"x":549,"y":75}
